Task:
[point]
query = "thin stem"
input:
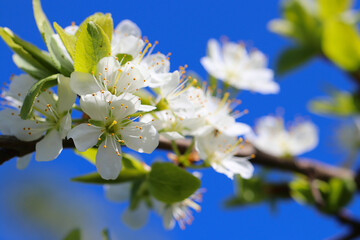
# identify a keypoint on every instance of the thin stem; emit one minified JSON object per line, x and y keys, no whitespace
{"x":175,"y":148}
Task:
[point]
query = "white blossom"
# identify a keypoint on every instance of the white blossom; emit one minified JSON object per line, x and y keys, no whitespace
{"x":166,"y":123}
{"x":218,"y":149}
{"x":126,"y":39}
{"x":207,"y":112}
{"x":180,"y":212}
{"x":111,"y":125}
{"x":238,"y":68}
{"x":110,"y":76}
{"x":51,"y":116}
{"x":272,"y":137}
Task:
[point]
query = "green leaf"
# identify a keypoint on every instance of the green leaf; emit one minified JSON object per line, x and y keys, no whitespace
{"x":74,"y":235}
{"x":34,"y":91}
{"x":104,"y":21}
{"x":341,"y":44}
{"x":30,"y":53}
{"x":169,"y":183}
{"x":42,"y":22}
{"x":60,"y":61}
{"x":68,"y":40}
{"x":332,"y":8}
{"x":91,"y":46}
{"x":124,"y":58}
{"x":339,"y":103}
{"x":132,"y":169}
{"x":29,"y":68}
{"x":58,"y":56}
{"x":306,"y":28}
{"x":105,"y":234}
{"x":341,"y":193}
{"x":293,"y":57}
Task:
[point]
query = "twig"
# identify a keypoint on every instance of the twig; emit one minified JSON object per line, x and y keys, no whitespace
{"x":14,"y":148}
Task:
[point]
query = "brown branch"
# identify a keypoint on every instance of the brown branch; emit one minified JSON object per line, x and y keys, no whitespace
{"x":12,"y":147}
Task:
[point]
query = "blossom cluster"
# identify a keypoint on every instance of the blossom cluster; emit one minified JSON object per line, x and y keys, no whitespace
{"x":131,"y":98}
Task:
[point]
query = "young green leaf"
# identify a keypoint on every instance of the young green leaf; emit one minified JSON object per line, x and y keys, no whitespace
{"x":332,"y":8}
{"x":341,"y":193}
{"x":74,"y":235}
{"x":126,"y":175}
{"x":34,"y":91}
{"x":293,"y":57}
{"x":105,"y":234}
{"x":91,"y":46}
{"x":68,"y":40}
{"x":132,"y":169}
{"x":29,"y":68}
{"x":34,"y":56}
{"x":105,"y":21}
{"x":169,"y":183}
{"x":42,"y":22}
{"x":341,"y":44}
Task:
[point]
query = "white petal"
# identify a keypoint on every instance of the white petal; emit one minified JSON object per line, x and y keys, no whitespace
{"x":214,"y":50}
{"x":71,"y":29}
{"x":95,"y":105}
{"x":83,"y":83}
{"x":108,"y":163}
{"x":109,"y":67}
{"x":66,"y":96}
{"x":239,"y":166}
{"x":20,"y":86}
{"x":146,"y":108}
{"x":8,"y":118}
{"x":127,"y":27}
{"x":28,"y":130}
{"x":84,"y":136}
{"x":136,"y":218}
{"x":237,"y":129}
{"x":133,"y":77}
{"x":143,"y":138}
{"x":303,"y":138}
{"x":49,"y":147}
{"x":124,"y":105}
{"x":172,"y":135}
{"x":168,"y":219}
{"x":118,"y":192}
{"x":65,"y":125}
{"x":23,"y":162}
{"x":169,"y":85}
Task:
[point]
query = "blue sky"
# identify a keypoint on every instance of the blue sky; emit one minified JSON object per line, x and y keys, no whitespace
{"x":182,"y":28}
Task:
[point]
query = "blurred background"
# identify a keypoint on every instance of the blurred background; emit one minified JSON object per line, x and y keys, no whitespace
{"x":41,"y":202}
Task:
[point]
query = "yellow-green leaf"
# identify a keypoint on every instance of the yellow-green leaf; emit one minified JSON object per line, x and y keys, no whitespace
{"x":341,"y":44}
{"x":91,"y":46}
{"x":332,"y":8}
{"x":68,"y":40}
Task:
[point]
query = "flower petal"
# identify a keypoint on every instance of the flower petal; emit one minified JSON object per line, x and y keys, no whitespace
{"x":49,"y":147}
{"x":84,"y":136}
{"x":108,"y":163}
{"x":237,"y":165}
{"x":141,"y":137}
{"x":96,"y":105}
{"x":23,"y":162}
{"x":83,"y":83}
{"x":66,"y":96}
{"x":136,"y":218}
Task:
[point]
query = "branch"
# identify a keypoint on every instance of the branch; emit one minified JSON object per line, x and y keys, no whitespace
{"x":11,"y":147}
